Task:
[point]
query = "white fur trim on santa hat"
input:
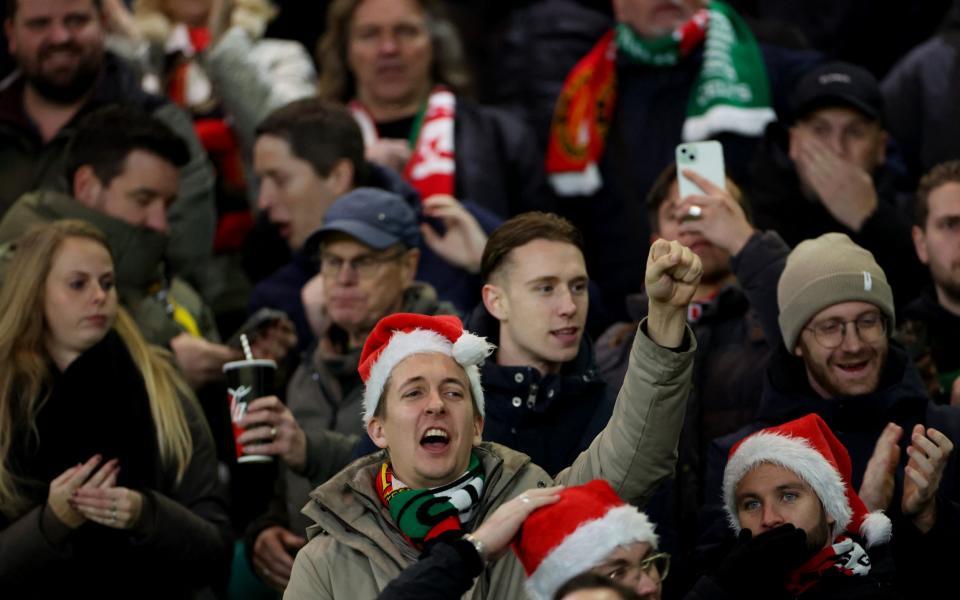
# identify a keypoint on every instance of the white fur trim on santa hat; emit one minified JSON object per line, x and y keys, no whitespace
{"x":588,"y":546}
{"x":419,"y":341}
{"x":797,"y":455}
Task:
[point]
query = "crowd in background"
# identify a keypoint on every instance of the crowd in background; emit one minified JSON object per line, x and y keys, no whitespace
{"x":315,"y":177}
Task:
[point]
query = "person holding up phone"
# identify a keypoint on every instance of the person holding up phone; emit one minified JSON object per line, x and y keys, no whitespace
{"x":712,"y":221}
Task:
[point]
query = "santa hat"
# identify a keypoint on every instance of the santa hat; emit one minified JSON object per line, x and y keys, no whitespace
{"x":400,"y":335}
{"x":575,"y":534}
{"x":807,"y":447}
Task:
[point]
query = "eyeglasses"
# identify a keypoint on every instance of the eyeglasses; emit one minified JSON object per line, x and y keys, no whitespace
{"x":365,"y":266}
{"x":830,"y":334}
{"x":656,"y":567}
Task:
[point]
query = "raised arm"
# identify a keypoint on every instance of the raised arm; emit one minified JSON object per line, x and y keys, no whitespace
{"x":638,"y":447}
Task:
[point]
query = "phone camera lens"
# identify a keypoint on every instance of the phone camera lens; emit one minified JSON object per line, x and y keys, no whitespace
{"x":693,"y":157}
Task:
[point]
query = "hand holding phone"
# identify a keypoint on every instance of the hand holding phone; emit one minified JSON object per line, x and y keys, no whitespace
{"x":705,"y":159}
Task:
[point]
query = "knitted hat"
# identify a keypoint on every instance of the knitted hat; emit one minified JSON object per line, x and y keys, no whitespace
{"x":397,"y":336}
{"x":575,"y":534}
{"x":808,"y":448}
{"x":825,"y":271}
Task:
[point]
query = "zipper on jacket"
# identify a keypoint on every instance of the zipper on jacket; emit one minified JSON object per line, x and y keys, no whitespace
{"x":532,"y":396}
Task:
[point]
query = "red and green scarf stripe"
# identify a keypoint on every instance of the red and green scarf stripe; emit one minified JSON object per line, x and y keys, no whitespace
{"x":425,"y":514}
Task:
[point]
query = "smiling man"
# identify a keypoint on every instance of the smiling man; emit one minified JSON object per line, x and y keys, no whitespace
{"x":64,"y":72}
{"x":545,"y":397}
{"x":837,"y":360}
{"x":424,"y":405}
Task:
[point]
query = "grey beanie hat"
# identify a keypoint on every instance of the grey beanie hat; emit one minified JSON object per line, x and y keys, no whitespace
{"x":825,"y":271}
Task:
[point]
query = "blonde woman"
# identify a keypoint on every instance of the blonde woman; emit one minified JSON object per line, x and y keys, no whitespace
{"x":108,"y":478}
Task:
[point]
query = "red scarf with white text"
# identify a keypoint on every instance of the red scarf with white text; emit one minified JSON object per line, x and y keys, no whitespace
{"x":432,"y":166}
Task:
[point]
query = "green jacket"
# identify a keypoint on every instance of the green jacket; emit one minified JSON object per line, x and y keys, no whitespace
{"x":138,"y":264}
{"x":356,"y":549}
{"x":27,"y":163}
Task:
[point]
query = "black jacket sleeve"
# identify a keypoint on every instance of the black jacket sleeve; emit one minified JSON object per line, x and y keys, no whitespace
{"x":758,"y":267}
{"x":446,"y":570}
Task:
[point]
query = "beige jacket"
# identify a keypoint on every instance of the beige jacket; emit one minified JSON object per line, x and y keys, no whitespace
{"x":356,"y":549}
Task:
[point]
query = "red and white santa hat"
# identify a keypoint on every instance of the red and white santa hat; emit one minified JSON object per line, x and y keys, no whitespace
{"x":397,"y":336}
{"x":575,"y":534}
{"x":807,"y":447}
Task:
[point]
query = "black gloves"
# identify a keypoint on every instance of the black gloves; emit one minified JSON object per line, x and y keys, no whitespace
{"x":757,"y":566}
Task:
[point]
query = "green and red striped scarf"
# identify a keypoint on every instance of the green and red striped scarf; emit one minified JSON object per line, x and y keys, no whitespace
{"x":424,"y":515}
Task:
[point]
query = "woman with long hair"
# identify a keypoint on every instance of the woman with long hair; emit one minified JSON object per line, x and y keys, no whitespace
{"x":108,"y":477}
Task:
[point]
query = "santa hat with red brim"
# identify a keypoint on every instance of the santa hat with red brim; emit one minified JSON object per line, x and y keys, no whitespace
{"x":808,"y":448}
{"x":576,"y":534}
{"x":400,"y":335}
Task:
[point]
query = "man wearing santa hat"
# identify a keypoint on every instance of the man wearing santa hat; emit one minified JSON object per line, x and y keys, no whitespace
{"x":787,"y":493}
{"x":833,"y":312}
{"x":557,"y":534}
{"x":423,"y":404}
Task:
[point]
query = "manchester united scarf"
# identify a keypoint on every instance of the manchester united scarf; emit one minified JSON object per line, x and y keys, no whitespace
{"x":731,"y":92}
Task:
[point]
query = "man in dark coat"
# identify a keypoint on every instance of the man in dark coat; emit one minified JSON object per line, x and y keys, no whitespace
{"x":829,"y":171}
{"x":545,"y":396}
{"x":931,"y":323}
{"x":64,"y":72}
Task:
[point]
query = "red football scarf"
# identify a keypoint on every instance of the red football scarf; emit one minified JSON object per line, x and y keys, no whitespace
{"x":431,"y":168}
{"x":845,"y":556}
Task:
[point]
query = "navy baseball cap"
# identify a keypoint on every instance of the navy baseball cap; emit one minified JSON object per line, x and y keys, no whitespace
{"x":372,"y":216}
{"x":838,"y":84}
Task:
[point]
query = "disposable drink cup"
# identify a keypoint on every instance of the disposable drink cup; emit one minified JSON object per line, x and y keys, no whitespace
{"x":247,"y":380}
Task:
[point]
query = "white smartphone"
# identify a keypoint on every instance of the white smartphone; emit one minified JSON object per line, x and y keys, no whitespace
{"x":706,"y":160}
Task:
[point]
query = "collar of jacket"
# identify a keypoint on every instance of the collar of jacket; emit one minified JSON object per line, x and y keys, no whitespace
{"x":137,"y":251}
{"x":575,"y":376}
{"x":787,"y":394}
{"x":928,"y":309}
{"x":348,"y":507}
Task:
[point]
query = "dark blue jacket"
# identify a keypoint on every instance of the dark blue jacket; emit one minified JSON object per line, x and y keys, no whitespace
{"x":551,"y":418}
